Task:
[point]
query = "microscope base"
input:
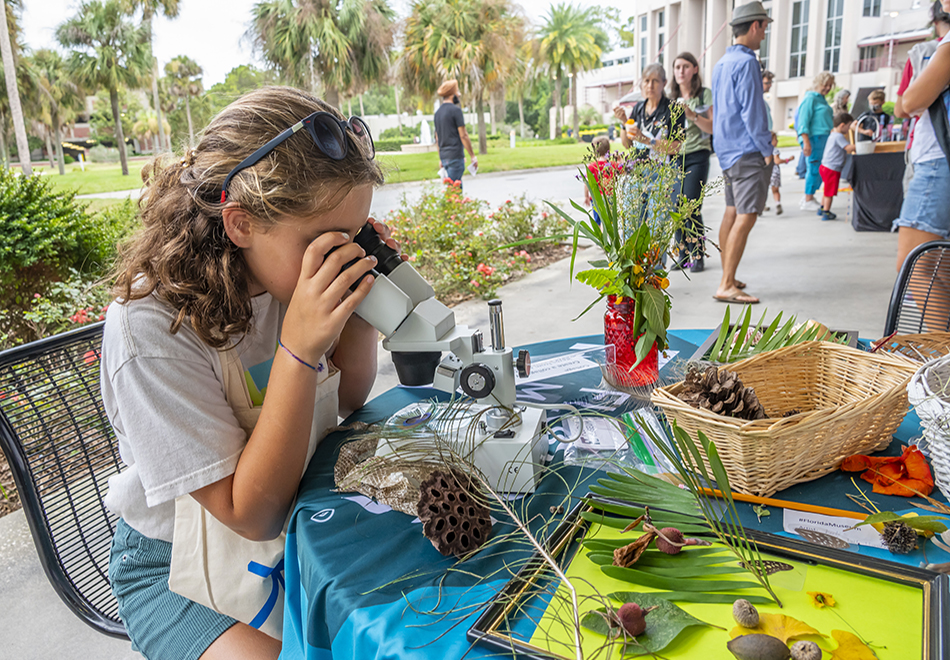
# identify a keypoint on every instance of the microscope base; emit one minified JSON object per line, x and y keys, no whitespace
{"x":511,"y":465}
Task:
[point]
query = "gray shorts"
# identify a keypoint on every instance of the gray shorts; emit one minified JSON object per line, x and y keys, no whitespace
{"x":747,"y":183}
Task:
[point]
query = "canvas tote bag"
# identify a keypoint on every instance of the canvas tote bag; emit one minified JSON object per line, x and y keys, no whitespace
{"x":217,"y":567}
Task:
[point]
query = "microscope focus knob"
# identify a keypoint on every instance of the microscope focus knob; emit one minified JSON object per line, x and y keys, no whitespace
{"x":523,"y":363}
{"x":477,"y":380}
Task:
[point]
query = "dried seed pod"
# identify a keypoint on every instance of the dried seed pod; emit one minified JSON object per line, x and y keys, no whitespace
{"x":668,"y":544}
{"x":758,"y":647}
{"x":632,"y":618}
{"x":806,"y":651}
{"x":745,"y":613}
{"x":453,"y":516}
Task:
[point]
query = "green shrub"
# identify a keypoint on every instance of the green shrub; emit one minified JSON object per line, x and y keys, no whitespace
{"x":393,"y":144}
{"x":51,"y":246}
{"x":452,"y":241}
{"x":407,"y":131}
{"x":519,"y":220}
{"x":67,"y":159}
{"x":103,"y":154}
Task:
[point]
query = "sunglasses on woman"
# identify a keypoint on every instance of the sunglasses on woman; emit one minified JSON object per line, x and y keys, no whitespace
{"x":328,"y":133}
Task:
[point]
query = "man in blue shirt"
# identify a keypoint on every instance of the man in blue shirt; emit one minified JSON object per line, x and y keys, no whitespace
{"x":743,"y":142}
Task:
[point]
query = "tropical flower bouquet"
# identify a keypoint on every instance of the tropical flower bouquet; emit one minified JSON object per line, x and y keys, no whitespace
{"x":634,"y":219}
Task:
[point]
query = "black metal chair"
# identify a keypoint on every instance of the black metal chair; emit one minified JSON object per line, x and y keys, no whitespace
{"x":920,"y":301}
{"x":62,"y":451}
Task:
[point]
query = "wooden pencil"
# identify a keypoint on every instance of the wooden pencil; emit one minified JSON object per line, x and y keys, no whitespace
{"x":788,"y":504}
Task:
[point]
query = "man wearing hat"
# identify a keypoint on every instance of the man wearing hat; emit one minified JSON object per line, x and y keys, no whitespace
{"x":743,"y":142}
{"x":450,"y":133}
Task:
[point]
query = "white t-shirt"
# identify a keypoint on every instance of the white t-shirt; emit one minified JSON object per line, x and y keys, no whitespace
{"x":925,"y":146}
{"x":164,"y":395}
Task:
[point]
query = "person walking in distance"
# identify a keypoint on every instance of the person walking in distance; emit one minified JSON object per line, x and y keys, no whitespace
{"x":450,"y":133}
{"x":743,"y":143}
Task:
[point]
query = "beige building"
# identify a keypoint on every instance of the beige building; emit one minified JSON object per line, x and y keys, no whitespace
{"x":863,"y":42}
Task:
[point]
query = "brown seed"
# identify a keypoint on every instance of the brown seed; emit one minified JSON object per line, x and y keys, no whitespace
{"x":758,"y":647}
{"x":673,"y":535}
{"x":745,"y":613}
{"x":806,"y":651}
{"x":632,"y":619}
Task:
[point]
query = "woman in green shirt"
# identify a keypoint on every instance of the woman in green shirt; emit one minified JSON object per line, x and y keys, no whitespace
{"x":687,"y":90}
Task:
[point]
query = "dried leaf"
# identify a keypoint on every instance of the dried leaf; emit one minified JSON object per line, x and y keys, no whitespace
{"x":850,"y":647}
{"x":777,"y":625}
{"x":663,"y":623}
{"x":630,"y":553}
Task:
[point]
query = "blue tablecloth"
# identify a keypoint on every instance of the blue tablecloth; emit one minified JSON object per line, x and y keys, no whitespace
{"x":363,"y":582}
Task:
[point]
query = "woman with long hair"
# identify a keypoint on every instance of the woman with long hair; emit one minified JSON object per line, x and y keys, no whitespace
{"x":687,"y":90}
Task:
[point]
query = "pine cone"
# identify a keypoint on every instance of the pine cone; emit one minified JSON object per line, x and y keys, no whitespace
{"x":721,"y":391}
{"x":454,"y":519}
{"x":899,"y":538}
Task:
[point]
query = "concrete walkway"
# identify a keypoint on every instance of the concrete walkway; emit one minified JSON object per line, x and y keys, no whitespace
{"x":794,"y":262}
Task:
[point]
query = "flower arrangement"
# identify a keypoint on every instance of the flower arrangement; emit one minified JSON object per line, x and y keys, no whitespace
{"x":634,"y":219}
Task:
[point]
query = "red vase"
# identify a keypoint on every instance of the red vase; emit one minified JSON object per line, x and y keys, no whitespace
{"x":618,"y":330}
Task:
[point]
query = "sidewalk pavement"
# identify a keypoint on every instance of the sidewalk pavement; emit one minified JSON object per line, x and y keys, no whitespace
{"x":795,"y":263}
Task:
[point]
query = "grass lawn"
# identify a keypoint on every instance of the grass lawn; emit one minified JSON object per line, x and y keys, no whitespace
{"x":98,"y":177}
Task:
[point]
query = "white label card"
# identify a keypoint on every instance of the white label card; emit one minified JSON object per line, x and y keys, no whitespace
{"x":842,"y":528}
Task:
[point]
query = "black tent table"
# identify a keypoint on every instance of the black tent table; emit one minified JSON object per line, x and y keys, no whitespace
{"x":878,"y":191}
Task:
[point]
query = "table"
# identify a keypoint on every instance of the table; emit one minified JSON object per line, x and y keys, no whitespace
{"x":877,"y":181}
{"x":362,"y":581}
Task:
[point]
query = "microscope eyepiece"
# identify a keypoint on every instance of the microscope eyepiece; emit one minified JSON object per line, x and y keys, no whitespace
{"x":386,"y":258}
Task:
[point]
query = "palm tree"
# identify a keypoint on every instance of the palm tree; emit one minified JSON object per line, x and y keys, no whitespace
{"x":169,"y":9}
{"x":473,"y":41}
{"x":108,"y":51}
{"x":13,"y":92}
{"x":57,"y":93}
{"x":185,"y":75}
{"x":342,"y":45}
{"x":525,"y":73}
{"x":571,"y":41}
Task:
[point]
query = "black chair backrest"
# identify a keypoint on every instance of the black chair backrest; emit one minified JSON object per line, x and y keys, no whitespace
{"x":920,"y":301}
{"x":62,"y":451}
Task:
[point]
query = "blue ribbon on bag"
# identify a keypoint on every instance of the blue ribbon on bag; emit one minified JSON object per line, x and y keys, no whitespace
{"x":276,"y":575}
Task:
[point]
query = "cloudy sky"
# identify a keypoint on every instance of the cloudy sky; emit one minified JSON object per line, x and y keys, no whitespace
{"x":211,"y":32}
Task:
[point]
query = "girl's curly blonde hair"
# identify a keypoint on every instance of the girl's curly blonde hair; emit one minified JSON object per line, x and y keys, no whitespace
{"x":182,"y":254}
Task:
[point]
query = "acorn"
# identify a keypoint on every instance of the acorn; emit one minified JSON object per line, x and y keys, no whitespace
{"x":745,"y":613}
{"x":664,"y":545}
{"x":632,"y":618}
{"x":758,"y":647}
{"x":806,"y":651}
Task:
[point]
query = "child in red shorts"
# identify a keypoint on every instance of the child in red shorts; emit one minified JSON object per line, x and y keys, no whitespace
{"x":832,"y":161}
{"x":603,"y":170}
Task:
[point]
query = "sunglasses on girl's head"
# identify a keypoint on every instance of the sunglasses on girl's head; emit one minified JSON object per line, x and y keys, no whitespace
{"x":328,"y":133}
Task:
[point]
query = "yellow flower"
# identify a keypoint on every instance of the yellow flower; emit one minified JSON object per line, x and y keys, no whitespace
{"x":637,"y":269}
{"x":664,"y":283}
{"x":820,"y":599}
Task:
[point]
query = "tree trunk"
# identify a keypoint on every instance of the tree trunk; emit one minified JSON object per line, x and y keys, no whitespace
{"x":362,"y":112}
{"x":191,"y":130}
{"x":398,"y":114}
{"x":333,"y":96}
{"x":349,"y":106}
{"x":4,"y":153}
{"x":119,"y":135}
{"x":59,"y":144}
{"x":491,"y":112}
{"x":577,"y":126}
{"x":557,"y":107}
{"x":49,"y":149}
{"x":482,"y":139}
{"x":9,"y":73}
{"x":521,"y":114}
{"x":156,"y":102}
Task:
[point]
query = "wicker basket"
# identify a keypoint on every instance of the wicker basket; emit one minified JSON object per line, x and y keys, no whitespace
{"x":850,"y":402}
{"x":919,"y":348}
{"x":928,"y":393}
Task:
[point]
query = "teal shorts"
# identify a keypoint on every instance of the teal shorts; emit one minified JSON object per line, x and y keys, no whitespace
{"x":161,"y":624}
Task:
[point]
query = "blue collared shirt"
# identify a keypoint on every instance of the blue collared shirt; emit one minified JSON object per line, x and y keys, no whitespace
{"x":741,"y":124}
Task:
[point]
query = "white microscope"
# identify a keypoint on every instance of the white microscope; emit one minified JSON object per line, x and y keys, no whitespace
{"x":506,"y":442}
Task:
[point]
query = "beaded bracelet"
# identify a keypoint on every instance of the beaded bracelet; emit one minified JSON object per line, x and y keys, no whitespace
{"x":319,"y":366}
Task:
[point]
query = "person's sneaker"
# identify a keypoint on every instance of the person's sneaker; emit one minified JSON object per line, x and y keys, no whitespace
{"x":778,"y":209}
{"x":697,"y":266}
{"x":765,"y":210}
{"x":809,"y":205}
{"x":826,"y":215}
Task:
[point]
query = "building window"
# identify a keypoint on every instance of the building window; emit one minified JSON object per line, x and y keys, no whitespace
{"x":764,"y":48}
{"x":833,"y":35}
{"x":643,"y":42}
{"x":660,"y":34}
{"x":872,"y":7}
{"x":799,"y":41}
{"x":867,"y":59}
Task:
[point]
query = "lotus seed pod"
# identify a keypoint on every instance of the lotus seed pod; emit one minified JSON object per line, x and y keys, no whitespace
{"x":632,"y":619}
{"x":673,"y":535}
{"x":758,"y":647}
{"x":745,"y":613}
{"x":806,"y":651}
